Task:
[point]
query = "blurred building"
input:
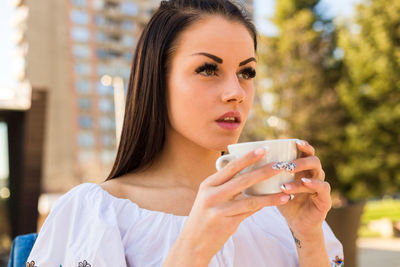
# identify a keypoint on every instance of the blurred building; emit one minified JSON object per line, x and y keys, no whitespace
{"x":79,"y":50}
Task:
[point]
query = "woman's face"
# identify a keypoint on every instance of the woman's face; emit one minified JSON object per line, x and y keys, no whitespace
{"x":210,"y":83}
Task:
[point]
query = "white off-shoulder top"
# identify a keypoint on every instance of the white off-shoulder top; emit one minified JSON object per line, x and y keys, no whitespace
{"x":90,"y":227}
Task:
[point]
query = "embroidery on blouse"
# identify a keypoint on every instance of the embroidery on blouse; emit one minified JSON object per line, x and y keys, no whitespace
{"x":81,"y":264}
{"x":84,"y":264}
{"x":338,"y":262}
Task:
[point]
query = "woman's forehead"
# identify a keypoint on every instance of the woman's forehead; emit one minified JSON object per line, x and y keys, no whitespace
{"x":218,"y":36}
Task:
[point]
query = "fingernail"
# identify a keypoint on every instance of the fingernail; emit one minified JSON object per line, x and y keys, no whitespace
{"x":306,"y":180}
{"x":285,"y":198}
{"x":259,"y":151}
{"x":290,"y":166}
{"x":291,"y":196}
{"x":279,"y":165}
{"x":300,"y":142}
{"x":285,"y":187}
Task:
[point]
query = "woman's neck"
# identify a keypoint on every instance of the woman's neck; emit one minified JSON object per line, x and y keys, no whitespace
{"x":184,"y":163}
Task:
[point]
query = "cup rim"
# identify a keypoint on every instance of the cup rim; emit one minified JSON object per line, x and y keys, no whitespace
{"x":262,"y":141}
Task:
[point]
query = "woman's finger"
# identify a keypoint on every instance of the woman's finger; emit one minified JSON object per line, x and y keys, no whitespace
{"x":253,"y":204}
{"x":305,"y":164}
{"x":320,"y":175}
{"x":234,"y":167}
{"x":305,"y":148}
{"x":321,"y":196}
{"x":296,"y":187}
{"x":243,"y":181}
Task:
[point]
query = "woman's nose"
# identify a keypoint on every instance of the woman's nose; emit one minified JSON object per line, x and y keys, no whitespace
{"x":233,"y":91}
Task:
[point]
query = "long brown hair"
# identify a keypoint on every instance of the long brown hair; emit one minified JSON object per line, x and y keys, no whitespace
{"x":146,"y":117}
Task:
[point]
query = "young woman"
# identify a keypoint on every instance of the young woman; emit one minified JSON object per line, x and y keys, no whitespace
{"x":190,"y":92}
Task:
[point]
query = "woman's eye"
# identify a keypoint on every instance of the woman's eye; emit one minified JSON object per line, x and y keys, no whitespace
{"x":207,"y":69}
{"x":247,"y":73}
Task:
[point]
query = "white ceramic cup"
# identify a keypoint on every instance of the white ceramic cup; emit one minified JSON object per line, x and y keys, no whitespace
{"x":276,"y":151}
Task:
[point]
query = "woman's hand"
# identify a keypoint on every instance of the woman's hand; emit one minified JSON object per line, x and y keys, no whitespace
{"x":307,"y":211}
{"x":219,"y":208}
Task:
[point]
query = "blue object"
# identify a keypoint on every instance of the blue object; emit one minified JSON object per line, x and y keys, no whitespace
{"x":20,"y":250}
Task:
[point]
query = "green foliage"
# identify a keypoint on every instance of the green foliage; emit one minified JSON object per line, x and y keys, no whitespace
{"x":370,"y":92}
{"x":288,"y":8}
{"x":303,"y":72}
{"x":347,"y":108}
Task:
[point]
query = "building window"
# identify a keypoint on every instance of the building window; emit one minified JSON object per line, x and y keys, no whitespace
{"x":80,"y":34}
{"x":81,"y":51}
{"x":128,"y":41}
{"x":129,"y":8}
{"x":101,"y":37}
{"x":103,"y":54}
{"x":100,"y":20}
{"x":107,"y":156}
{"x":103,"y":69}
{"x":83,"y":86}
{"x":82,"y":69}
{"x":104,"y":90}
{"x":84,"y":103}
{"x":107,"y":22}
{"x":98,"y":4}
{"x":108,"y":140}
{"x":128,"y":57}
{"x":86,"y":139}
{"x":79,"y":17}
{"x":80,"y":3}
{"x":85,"y":121}
{"x":127,"y":25}
{"x":106,"y":105}
{"x":107,"y":123}
{"x":125,"y":72}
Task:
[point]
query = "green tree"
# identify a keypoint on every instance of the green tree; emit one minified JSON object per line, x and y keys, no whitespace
{"x":303,"y":74}
{"x":370,"y":91}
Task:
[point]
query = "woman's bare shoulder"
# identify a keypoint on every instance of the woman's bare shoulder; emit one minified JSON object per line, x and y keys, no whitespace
{"x":149,"y":194}
{"x":123,"y":187}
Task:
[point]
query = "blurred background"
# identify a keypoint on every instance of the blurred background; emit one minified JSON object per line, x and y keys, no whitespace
{"x":328,"y":72}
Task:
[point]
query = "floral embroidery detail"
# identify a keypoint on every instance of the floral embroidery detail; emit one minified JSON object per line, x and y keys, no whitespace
{"x":84,"y":264}
{"x":338,"y":262}
{"x":81,"y":264}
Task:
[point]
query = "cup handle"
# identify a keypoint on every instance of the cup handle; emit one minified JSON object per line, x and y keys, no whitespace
{"x":225,"y":158}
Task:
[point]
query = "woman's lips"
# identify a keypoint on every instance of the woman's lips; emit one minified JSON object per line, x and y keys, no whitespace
{"x":228,"y":125}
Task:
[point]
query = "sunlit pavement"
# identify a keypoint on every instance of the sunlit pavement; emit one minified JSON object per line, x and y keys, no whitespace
{"x":378,"y":252}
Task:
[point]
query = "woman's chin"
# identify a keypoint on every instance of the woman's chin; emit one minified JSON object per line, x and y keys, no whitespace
{"x":223,"y":146}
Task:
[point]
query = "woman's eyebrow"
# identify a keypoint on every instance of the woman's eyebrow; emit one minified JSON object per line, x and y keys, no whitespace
{"x":215,"y":58}
{"x":219,"y":60}
{"x":244,"y":62}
